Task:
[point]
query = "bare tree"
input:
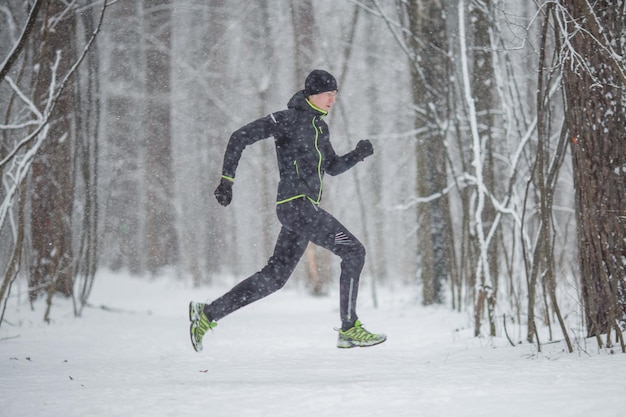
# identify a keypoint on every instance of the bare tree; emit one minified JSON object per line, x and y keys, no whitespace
{"x":159,"y":238}
{"x":120,"y":144}
{"x":594,"y":77}
{"x":53,"y":189}
{"x":40,"y":139}
{"x":430,"y":74}
{"x":421,"y":34}
{"x":545,"y":173}
{"x":86,"y":159}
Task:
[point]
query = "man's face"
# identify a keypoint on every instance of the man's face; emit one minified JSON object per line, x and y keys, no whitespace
{"x":324,"y":100}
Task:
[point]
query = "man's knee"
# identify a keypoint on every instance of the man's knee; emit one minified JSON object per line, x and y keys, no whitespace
{"x":353,"y":252}
{"x":276,"y":274}
{"x":359,"y":250}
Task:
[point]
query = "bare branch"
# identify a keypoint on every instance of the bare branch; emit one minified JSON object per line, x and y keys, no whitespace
{"x":15,"y":53}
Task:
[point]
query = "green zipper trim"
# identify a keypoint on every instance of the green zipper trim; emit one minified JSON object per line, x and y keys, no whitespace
{"x":319,"y":161}
{"x":324,"y":112}
{"x":295,"y":197}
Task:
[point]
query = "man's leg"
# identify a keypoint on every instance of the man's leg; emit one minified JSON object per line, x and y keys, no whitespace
{"x":289,"y":249}
{"x":329,"y":233}
{"x":314,"y":224}
{"x":332,"y":235}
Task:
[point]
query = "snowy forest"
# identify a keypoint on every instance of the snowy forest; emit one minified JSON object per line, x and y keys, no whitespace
{"x":497,"y":185}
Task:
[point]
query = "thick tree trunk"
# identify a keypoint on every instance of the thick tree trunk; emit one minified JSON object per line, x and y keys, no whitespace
{"x":430,"y":81}
{"x":596,"y":102}
{"x":52,"y":182}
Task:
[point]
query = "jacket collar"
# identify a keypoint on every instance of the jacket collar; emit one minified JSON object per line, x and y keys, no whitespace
{"x":314,"y":107}
{"x":299,"y":101}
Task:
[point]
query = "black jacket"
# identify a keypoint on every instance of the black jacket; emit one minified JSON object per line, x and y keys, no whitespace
{"x":303,"y":149}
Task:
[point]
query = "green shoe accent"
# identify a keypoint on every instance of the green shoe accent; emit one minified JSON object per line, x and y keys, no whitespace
{"x":200,"y":324}
{"x":357,"y":336}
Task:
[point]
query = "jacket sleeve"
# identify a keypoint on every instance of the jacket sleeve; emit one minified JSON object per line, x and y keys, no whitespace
{"x":262,"y":128}
{"x":337,"y":164}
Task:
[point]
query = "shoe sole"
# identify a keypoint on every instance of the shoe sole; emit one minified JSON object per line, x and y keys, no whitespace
{"x":347,"y":344}
{"x":193,"y":312}
{"x":196,"y":346}
{"x":194,"y":315}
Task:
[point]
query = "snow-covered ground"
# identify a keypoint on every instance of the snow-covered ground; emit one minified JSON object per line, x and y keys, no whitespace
{"x":278,"y":357}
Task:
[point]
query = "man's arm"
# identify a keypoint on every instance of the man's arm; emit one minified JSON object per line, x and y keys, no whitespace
{"x":339,"y":164}
{"x":252,"y":132}
{"x":262,"y":128}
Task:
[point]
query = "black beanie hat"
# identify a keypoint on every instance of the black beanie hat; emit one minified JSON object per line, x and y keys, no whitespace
{"x":319,"y":81}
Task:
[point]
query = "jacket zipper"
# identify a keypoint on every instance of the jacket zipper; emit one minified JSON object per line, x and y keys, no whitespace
{"x":319,"y":161}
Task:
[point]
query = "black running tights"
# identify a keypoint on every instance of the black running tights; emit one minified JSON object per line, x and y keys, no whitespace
{"x":302,"y":222}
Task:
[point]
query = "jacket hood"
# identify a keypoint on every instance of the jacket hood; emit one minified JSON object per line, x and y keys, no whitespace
{"x":298,"y":102}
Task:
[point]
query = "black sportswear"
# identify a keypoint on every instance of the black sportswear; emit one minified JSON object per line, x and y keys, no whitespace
{"x":303,"y":149}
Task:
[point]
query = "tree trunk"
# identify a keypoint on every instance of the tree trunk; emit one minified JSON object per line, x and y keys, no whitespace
{"x":121,"y":190}
{"x":160,"y":242}
{"x":429,"y":80}
{"x":52,"y":194}
{"x":86,"y":163}
{"x":594,"y":84}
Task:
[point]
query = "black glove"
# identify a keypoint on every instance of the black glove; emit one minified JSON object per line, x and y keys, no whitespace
{"x":224,"y":192}
{"x":363,"y":149}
